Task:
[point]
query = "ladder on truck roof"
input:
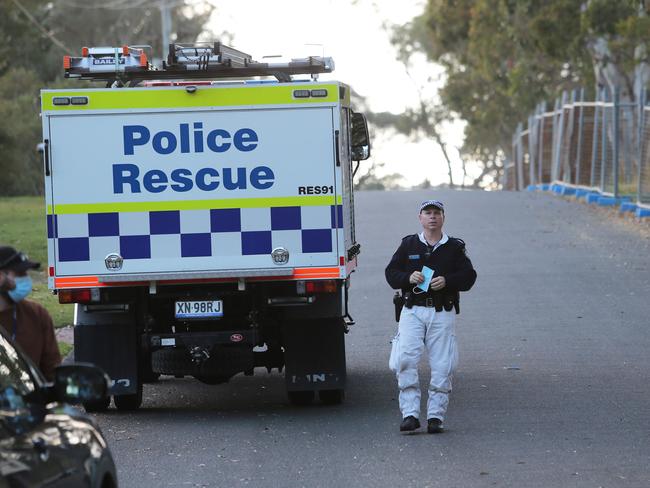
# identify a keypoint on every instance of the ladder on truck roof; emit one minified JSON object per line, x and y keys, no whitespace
{"x":197,"y":61}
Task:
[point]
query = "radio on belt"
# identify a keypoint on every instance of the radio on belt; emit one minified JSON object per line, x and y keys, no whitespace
{"x":203,"y":227}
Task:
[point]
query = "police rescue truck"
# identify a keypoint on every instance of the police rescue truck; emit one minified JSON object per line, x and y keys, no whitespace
{"x":201,"y":216}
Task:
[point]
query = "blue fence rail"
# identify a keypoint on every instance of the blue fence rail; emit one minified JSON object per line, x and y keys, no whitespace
{"x":597,"y":150}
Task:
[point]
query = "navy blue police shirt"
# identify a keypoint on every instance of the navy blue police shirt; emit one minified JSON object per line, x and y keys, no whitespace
{"x":449,"y":260}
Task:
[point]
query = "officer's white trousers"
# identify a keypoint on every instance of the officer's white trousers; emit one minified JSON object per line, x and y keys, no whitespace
{"x":421,"y":327}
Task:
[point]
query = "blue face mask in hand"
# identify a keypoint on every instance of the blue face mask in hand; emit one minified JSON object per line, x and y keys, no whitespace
{"x":424,"y":286}
{"x":23,"y":288}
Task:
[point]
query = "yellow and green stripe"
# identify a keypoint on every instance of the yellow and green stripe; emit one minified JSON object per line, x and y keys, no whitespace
{"x":299,"y":201}
{"x":153,"y":98}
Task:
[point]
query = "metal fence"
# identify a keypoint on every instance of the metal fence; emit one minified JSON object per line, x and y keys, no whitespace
{"x":601,"y":146}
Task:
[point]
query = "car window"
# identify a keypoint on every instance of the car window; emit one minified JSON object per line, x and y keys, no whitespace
{"x":17,"y":380}
{"x":15,"y":375}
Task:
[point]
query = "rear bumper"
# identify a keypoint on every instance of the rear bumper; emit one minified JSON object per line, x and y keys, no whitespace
{"x":217,"y":355}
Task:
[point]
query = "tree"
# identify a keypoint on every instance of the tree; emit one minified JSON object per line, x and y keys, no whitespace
{"x":501,"y":57}
{"x":366,"y":177}
{"x":20,"y":130}
{"x":370,"y":181}
{"x":425,"y":121}
{"x":34,"y":36}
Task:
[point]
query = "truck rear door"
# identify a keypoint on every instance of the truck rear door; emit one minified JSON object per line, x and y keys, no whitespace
{"x":177,"y":191}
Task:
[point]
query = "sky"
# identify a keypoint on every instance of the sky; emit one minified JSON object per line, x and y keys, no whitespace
{"x":352,"y":34}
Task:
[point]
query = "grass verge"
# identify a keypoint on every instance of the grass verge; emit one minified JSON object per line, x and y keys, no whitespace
{"x":64,"y":348}
{"x":22,"y":225}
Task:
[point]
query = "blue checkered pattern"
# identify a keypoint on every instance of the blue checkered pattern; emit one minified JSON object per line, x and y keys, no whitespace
{"x":193,"y":233}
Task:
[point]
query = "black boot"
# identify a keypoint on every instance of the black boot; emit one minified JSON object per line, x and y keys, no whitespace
{"x":434,"y":426}
{"x":409,"y":424}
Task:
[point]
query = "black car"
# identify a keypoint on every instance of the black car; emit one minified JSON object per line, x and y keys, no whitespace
{"x":43,"y":440}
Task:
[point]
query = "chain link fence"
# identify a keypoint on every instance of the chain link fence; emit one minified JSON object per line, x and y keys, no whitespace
{"x":600,"y":147}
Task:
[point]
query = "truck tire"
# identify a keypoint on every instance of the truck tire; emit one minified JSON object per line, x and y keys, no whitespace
{"x":331,"y":397}
{"x":301,"y":398}
{"x":145,"y":371}
{"x":98,"y":406}
{"x":129,"y":402}
{"x":150,"y":377}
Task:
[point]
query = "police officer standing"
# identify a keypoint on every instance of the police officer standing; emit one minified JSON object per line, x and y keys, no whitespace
{"x":428,"y":317}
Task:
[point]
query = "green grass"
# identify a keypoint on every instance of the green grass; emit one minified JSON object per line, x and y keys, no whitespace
{"x":22,"y":225}
{"x":64,"y":348}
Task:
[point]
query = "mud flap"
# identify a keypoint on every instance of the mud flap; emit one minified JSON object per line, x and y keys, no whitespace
{"x":112,"y":347}
{"x":314,"y":352}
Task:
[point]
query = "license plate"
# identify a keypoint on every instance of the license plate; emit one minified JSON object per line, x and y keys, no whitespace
{"x":205,"y":309}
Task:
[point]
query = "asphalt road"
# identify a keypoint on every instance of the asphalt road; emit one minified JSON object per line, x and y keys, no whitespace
{"x":552,"y":388}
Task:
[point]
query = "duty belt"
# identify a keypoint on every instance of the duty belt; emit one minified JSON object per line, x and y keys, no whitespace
{"x":426,"y":302}
{"x":438,"y":302}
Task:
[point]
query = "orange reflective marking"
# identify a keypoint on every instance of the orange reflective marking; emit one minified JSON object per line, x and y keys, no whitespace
{"x":298,"y":274}
{"x":75,"y":280}
{"x":302,"y":273}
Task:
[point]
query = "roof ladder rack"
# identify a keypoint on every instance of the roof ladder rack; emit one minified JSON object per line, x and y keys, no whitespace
{"x":205,"y":61}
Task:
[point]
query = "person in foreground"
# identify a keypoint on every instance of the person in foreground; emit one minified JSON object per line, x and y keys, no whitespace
{"x":431,"y":269}
{"x":26,"y":322}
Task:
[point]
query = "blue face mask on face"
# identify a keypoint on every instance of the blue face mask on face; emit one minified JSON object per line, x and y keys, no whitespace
{"x":23,"y":288}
